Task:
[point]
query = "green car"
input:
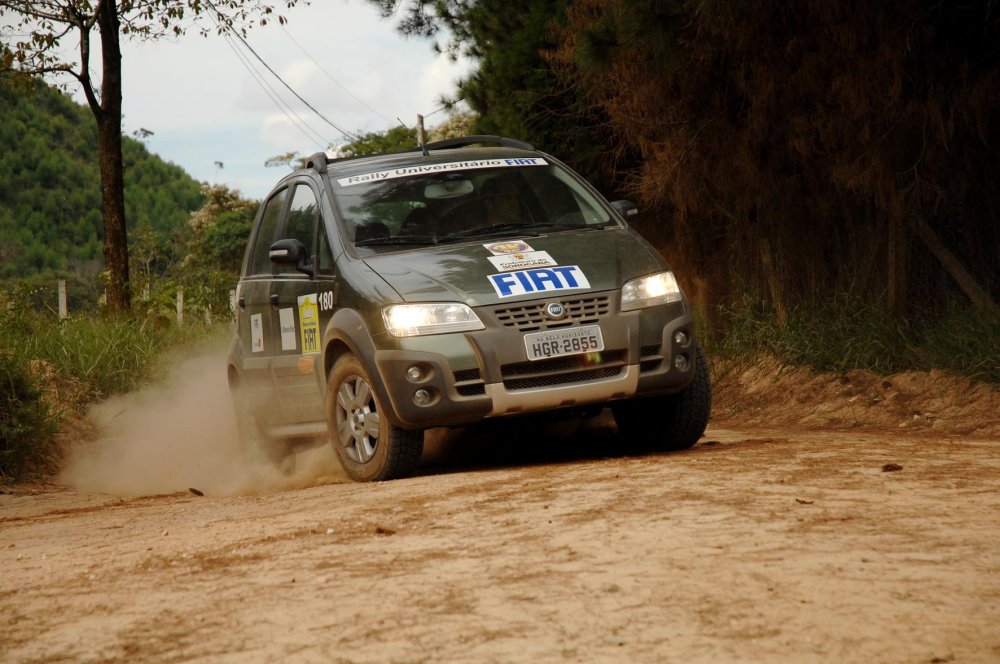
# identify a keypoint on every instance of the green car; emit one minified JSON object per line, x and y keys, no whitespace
{"x":385,"y":295}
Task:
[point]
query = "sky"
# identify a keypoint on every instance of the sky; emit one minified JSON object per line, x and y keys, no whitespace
{"x":203,"y":106}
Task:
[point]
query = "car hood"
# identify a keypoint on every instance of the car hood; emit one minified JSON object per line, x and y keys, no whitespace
{"x":462,"y":273}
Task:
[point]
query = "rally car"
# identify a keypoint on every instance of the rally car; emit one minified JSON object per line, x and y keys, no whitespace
{"x":472,"y":278}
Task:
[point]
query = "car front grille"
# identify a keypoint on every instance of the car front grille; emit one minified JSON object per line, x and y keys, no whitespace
{"x":563,"y":370}
{"x":650,"y":358}
{"x":469,"y":383}
{"x":561,"y":379}
{"x":530,"y":316}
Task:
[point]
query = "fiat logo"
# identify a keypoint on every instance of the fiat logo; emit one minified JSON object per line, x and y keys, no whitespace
{"x":555,"y":310}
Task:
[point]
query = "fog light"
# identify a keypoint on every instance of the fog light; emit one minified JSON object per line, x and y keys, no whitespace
{"x":422,"y":397}
{"x":682,"y":362}
{"x":681,"y":338}
{"x":414,"y":374}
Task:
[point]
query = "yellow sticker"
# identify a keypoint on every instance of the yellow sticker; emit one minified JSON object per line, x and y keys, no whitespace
{"x":309,"y":323}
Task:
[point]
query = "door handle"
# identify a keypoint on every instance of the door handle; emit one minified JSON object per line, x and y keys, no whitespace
{"x":274,"y":299}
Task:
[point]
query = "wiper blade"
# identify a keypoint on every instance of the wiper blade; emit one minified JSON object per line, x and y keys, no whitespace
{"x":503,"y":229}
{"x":588,"y":227}
{"x":397,"y":240}
{"x":533,"y":229}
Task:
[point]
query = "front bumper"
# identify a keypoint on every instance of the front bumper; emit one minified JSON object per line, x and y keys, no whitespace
{"x":486,"y":373}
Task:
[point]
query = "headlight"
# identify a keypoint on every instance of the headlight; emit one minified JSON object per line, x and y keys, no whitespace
{"x":652,"y":289}
{"x":411,"y":320}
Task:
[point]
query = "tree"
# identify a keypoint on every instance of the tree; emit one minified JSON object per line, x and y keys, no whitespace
{"x":458,"y":123}
{"x":397,"y":139}
{"x":32,"y":40}
{"x":515,"y":91}
{"x":794,"y":151}
{"x":393,"y":139}
{"x":218,"y":232}
{"x":290,"y":159}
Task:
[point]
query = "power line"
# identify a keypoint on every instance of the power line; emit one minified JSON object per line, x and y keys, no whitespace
{"x":268,"y":90}
{"x":287,"y":110}
{"x":236,"y":34}
{"x":331,"y":77}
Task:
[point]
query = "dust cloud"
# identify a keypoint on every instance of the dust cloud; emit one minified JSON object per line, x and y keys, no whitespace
{"x":180,"y":434}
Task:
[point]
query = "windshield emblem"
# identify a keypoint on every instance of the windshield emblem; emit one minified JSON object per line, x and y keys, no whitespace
{"x":555,"y":310}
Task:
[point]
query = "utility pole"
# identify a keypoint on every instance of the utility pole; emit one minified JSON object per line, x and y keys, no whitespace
{"x":421,"y":135}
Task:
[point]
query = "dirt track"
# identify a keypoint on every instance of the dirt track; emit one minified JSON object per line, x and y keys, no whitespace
{"x":757,"y":545}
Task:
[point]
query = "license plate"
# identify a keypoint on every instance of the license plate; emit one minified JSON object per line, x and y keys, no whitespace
{"x":569,"y":341}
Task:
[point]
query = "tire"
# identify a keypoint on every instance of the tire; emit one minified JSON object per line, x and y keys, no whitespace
{"x":671,"y":422}
{"x":369,"y":446}
{"x":255,"y":444}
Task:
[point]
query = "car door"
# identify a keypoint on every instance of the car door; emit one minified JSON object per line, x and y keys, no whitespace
{"x":296,"y":298}
{"x":255,"y":310}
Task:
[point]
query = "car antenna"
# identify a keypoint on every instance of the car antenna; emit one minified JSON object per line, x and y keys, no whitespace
{"x":422,"y":136}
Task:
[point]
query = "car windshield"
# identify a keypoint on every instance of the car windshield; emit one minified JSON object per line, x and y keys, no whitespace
{"x":397,"y":208}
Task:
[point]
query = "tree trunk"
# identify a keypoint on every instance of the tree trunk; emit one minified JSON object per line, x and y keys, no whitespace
{"x":773,"y":283}
{"x":109,"y":141}
{"x":979,"y":296}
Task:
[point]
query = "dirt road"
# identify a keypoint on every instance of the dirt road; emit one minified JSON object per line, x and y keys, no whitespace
{"x":756,"y":545}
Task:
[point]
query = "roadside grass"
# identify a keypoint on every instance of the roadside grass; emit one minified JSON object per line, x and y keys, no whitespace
{"x":850,"y":334}
{"x":99,"y":356}
{"x":109,"y":355}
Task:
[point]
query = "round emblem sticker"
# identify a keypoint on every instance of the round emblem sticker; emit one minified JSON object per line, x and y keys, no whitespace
{"x":515,"y":247}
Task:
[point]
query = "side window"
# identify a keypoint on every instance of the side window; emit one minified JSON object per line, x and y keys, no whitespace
{"x":266,"y":231}
{"x":301,"y":223}
{"x":324,"y":255}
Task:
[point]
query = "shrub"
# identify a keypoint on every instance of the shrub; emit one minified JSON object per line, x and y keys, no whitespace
{"x":28,"y":425}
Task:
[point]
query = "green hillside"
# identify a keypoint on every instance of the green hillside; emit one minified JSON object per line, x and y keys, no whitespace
{"x":50,"y":200}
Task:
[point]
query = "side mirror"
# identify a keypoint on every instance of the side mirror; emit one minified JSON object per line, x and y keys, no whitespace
{"x":291,"y":251}
{"x":627,"y":209}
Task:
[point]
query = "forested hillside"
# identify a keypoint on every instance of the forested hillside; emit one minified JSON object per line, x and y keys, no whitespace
{"x":50,"y":200}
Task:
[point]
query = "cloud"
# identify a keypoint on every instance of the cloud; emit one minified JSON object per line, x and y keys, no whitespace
{"x":439,"y":78}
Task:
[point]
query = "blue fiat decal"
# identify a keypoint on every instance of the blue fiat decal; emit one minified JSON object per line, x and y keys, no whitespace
{"x":539,"y":280}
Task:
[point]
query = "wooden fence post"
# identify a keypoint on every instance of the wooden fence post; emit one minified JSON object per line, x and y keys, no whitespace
{"x":63,"y":310}
{"x":180,"y":306}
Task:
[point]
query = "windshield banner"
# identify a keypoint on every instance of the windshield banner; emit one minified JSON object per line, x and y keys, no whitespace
{"x":429,"y":169}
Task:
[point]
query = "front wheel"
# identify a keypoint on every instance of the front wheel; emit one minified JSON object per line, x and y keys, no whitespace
{"x":672,"y":422}
{"x":370,"y":448}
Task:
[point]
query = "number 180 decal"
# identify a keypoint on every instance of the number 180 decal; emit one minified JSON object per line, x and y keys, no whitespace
{"x":326,"y":301}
